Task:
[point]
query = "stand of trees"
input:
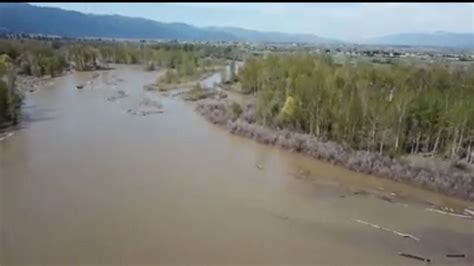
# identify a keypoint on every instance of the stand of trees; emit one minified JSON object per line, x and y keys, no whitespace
{"x":392,"y":110}
{"x":35,"y":58}
{"x":10,"y":99}
{"x":51,"y":57}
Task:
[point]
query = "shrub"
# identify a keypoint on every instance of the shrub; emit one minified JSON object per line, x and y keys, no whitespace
{"x":235,"y":110}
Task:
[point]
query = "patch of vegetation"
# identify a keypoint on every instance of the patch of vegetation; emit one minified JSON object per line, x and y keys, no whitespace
{"x":197,"y":93}
{"x":234,"y":110}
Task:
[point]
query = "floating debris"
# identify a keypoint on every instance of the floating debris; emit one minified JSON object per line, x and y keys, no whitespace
{"x":79,"y":87}
{"x":455,"y":255}
{"x":259,"y":166}
{"x":388,"y":230}
{"x":414,"y":257}
{"x":450,"y":213}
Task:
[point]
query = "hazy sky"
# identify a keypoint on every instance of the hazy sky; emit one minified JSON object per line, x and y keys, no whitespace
{"x":334,"y":20}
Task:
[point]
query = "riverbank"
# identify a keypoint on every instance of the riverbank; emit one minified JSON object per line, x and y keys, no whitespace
{"x":24,"y":85}
{"x":443,"y":181}
{"x":31,"y":84}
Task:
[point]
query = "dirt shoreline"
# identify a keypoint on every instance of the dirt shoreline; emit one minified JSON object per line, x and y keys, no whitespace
{"x":443,"y":181}
{"x":31,"y":84}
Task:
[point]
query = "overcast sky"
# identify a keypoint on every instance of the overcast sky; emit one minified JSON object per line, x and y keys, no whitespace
{"x":348,"y":21}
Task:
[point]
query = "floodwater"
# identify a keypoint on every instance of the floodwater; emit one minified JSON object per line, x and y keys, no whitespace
{"x":85,"y":182}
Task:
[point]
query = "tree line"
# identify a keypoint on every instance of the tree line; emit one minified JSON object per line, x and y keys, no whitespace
{"x":37,"y":58}
{"x":389,"y":109}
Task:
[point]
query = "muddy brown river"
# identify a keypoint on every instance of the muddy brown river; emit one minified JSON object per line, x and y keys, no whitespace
{"x":85,"y":182}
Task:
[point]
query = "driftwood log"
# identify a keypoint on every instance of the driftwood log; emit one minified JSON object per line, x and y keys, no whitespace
{"x":449,"y":213}
{"x":416,"y":257}
{"x":455,"y":255}
{"x":388,"y":230}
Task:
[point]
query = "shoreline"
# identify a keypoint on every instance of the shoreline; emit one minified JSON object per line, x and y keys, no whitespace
{"x":445,"y":182}
{"x":28,"y":84}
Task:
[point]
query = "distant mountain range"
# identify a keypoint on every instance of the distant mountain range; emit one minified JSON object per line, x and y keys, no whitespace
{"x":19,"y":17}
{"x":26,"y":18}
{"x":259,"y":36}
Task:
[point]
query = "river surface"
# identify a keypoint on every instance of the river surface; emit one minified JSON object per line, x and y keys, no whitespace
{"x":85,"y":182}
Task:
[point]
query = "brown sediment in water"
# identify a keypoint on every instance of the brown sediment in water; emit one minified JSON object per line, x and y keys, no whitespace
{"x":443,"y":181}
{"x":108,"y":187}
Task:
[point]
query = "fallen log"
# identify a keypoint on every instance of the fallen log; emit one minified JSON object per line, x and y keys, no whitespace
{"x":470,"y":212}
{"x":455,"y":255}
{"x":407,"y":255}
{"x":404,"y":235}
